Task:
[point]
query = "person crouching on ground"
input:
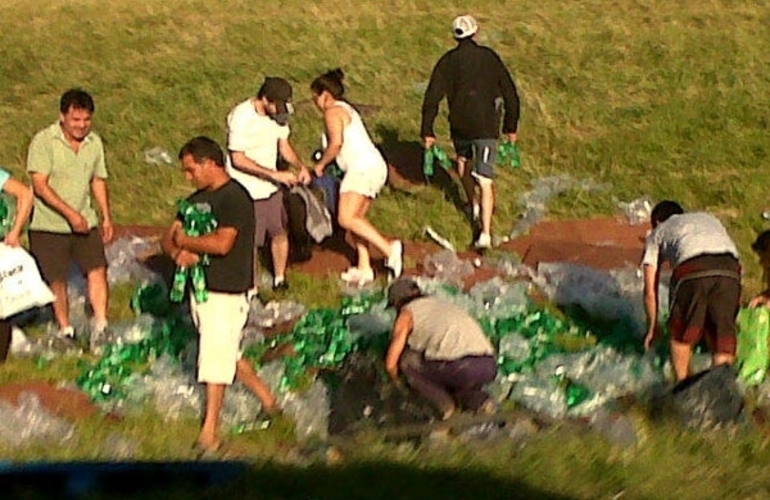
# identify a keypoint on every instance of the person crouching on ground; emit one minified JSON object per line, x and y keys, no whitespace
{"x":220,"y":319}
{"x":441,"y":350}
{"x":705,"y":286}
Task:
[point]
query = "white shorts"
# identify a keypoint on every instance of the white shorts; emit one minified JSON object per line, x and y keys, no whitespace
{"x":364,"y":182}
{"x":220,"y":321}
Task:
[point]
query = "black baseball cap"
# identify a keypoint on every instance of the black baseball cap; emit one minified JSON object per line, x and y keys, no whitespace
{"x":278,"y":91}
{"x":402,"y":289}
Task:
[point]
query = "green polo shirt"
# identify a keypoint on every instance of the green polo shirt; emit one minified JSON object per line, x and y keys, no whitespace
{"x":69,"y":174}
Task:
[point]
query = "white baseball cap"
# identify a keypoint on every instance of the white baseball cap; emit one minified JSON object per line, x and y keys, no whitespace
{"x":464,"y":26}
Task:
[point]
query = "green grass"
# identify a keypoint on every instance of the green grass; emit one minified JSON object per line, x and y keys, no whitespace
{"x":658,"y":99}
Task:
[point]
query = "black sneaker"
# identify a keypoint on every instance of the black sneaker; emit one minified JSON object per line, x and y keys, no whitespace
{"x":281,"y":286}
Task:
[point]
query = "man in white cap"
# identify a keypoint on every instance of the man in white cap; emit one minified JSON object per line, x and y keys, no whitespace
{"x":476,"y":83}
{"x":257,"y":131}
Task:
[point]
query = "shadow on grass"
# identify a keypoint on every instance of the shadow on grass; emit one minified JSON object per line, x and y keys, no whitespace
{"x":406,"y":158}
{"x":235,"y":480}
{"x":115,"y":479}
{"x":338,"y":244}
{"x":377,"y":480}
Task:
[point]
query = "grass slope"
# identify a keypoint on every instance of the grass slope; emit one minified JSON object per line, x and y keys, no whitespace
{"x":659,"y":99}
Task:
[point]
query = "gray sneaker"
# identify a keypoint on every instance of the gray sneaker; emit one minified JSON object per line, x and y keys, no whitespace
{"x":100,"y":335}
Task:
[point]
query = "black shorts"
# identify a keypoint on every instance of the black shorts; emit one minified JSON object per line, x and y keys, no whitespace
{"x":706,"y":307}
{"x":55,"y":251}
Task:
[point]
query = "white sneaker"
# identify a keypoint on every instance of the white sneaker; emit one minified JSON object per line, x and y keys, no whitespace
{"x":484,"y":241}
{"x":396,"y":259}
{"x":68,"y":333}
{"x":358,"y":276}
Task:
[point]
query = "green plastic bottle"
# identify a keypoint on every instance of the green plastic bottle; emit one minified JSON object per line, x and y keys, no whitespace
{"x":427,"y":162}
{"x":508,"y":154}
{"x":442,"y":157}
{"x":179,"y":285}
{"x":574,"y":392}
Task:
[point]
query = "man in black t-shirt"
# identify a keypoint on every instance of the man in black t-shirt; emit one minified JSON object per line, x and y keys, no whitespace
{"x":220,"y":319}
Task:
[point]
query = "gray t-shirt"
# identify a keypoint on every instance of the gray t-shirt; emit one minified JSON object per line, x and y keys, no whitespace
{"x":444,"y":331}
{"x":685,"y":236}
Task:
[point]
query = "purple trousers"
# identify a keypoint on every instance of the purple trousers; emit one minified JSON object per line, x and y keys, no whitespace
{"x":449,"y":383}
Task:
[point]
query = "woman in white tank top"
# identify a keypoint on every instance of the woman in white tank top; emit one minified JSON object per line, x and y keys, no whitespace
{"x":347,"y":141}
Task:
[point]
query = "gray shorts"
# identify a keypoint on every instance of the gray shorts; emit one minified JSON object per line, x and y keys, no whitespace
{"x":483,"y":152}
{"x":271,"y":218}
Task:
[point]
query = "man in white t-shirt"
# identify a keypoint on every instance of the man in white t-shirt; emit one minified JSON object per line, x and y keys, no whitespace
{"x":257,"y":131}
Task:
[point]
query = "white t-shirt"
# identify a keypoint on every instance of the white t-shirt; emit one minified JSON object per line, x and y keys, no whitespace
{"x":257,"y":137}
{"x":682,"y":237}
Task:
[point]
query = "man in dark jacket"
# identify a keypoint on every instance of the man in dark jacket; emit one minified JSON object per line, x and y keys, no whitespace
{"x":476,"y":84}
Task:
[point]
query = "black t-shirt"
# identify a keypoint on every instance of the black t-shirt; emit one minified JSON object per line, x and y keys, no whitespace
{"x":232,"y":207}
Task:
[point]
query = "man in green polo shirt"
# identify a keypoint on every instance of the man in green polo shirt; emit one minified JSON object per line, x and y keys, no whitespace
{"x":66,"y":164}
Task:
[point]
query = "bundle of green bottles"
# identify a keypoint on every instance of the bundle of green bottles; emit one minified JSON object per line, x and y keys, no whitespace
{"x":171,"y":331}
{"x":6,"y":217}
{"x":508,"y":155}
{"x":197,"y":220}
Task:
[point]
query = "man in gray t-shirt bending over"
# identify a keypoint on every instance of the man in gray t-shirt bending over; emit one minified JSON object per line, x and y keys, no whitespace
{"x":705,"y":285}
{"x":441,"y":350}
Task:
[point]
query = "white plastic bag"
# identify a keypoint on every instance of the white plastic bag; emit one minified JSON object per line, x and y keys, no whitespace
{"x":21,"y":286}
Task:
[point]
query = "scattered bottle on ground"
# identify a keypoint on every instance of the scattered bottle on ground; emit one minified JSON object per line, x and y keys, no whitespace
{"x":573,"y":391}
